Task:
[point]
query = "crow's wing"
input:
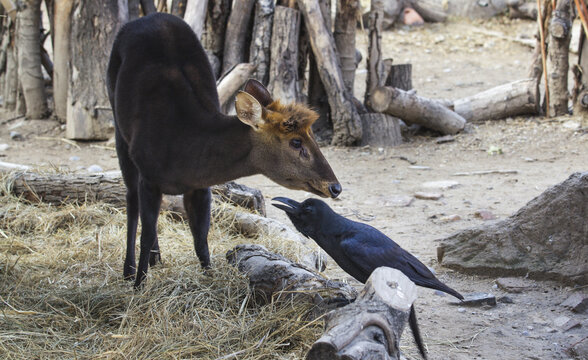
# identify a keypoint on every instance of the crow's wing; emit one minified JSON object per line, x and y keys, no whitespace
{"x":369,"y":249}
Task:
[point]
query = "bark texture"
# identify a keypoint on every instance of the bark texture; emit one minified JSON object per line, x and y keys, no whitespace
{"x":416,"y":110}
{"x":88,"y":110}
{"x":195,"y":15}
{"x":370,"y":327}
{"x":380,"y":130}
{"x":560,"y":30}
{"x":259,"y":52}
{"x":213,"y":39}
{"x":346,"y":121}
{"x":516,"y":98}
{"x":376,"y":72}
{"x":283,"y":72}
{"x":345,"y":25}
{"x":29,"y":59}
{"x":61,"y":56}
{"x":236,"y":34}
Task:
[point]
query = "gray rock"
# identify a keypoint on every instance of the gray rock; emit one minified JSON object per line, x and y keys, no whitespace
{"x":477,"y":299}
{"x":4,"y":147}
{"x":577,"y":302}
{"x":505,"y":300}
{"x":545,"y":239}
{"x":484,"y":214}
{"x":427,"y":196}
{"x":74,"y":158}
{"x":94,"y":169}
{"x":514,"y":285}
{"x":16,"y":136}
{"x":399,"y":201}
{"x":441,"y":184}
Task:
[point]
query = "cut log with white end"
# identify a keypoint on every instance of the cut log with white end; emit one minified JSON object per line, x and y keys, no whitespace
{"x":416,"y":110}
{"x":233,"y":81}
{"x":516,"y":98}
{"x":371,"y":326}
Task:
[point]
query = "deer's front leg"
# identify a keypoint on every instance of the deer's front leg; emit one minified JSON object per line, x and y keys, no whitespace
{"x":197,"y":204}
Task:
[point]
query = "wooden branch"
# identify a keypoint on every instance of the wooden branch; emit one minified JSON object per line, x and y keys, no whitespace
{"x":61,"y":56}
{"x":345,"y":25}
{"x":233,"y":81}
{"x":346,"y":121}
{"x":371,"y":326}
{"x":236,"y":34}
{"x":543,"y":54}
{"x":417,"y":110}
{"x":283,"y":72}
{"x":560,"y":29}
{"x":516,"y":98}
{"x":273,"y":277}
{"x":376,"y":71}
{"x":259,"y":52}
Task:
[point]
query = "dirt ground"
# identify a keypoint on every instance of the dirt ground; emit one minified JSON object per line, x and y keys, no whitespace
{"x":449,"y":61}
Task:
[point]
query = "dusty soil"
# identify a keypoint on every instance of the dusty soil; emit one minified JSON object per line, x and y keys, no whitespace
{"x":449,"y":61}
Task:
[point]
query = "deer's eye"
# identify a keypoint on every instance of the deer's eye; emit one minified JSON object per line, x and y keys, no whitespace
{"x":296,"y":143}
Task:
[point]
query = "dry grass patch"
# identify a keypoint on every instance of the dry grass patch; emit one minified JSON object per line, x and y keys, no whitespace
{"x":62,"y":294}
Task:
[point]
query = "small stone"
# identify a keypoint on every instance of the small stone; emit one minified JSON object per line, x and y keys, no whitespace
{"x":549,"y":330}
{"x":577,"y":302}
{"x":419,"y":167}
{"x":16,"y":136}
{"x":570,"y":324}
{"x":560,"y":321}
{"x":441,"y":184}
{"x":461,"y":310}
{"x":4,"y":147}
{"x":451,"y":218}
{"x":74,"y":158}
{"x":399,"y":201}
{"x":439,"y":293}
{"x":478,"y":299}
{"x":529,"y":327}
{"x":427,"y":196}
{"x":529,"y":159}
{"x":94,"y":169}
{"x":525,"y":333}
{"x":444,"y":139}
{"x":484,"y":214}
{"x":514,"y":285}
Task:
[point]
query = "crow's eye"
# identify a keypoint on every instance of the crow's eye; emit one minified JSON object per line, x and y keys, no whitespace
{"x":296,"y":143}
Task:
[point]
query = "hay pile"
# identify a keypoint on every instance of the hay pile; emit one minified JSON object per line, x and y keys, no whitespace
{"x":62,"y":294}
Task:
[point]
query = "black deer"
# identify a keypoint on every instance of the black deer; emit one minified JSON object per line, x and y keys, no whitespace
{"x":172,"y":138}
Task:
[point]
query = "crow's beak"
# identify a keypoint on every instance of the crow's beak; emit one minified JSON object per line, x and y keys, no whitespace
{"x":292,"y":206}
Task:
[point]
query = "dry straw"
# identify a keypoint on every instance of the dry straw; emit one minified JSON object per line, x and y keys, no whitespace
{"x":62,"y":295}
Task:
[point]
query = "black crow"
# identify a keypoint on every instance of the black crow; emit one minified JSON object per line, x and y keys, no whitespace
{"x":359,"y":248}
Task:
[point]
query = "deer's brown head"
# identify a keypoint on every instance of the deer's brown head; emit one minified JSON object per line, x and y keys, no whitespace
{"x":284,"y":148}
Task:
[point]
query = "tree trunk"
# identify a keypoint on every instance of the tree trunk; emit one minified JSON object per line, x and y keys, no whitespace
{"x":536,"y":68}
{"x":29,"y":59}
{"x":178,"y":8}
{"x":213,"y":39}
{"x":148,"y":6}
{"x":195,"y":15}
{"x":400,"y":77}
{"x":370,"y":327}
{"x":345,"y":25}
{"x":88,"y":110}
{"x":380,"y":130}
{"x":512,"y":99}
{"x":134,"y":9}
{"x":236,"y":34}
{"x":417,"y":110}
{"x":61,"y":56}
{"x":580,"y":91}
{"x":560,"y":30}
{"x":376,"y":75}
{"x":259,"y":53}
{"x":283,"y":73}
{"x":346,"y":121}
{"x":317,"y":96}
{"x":11,"y":88}
{"x":273,"y":277}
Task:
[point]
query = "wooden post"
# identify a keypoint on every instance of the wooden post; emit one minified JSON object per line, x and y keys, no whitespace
{"x":195,"y":15}
{"x":259,"y":52}
{"x":61,"y":56}
{"x":346,"y":121}
{"x":236,"y":34}
{"x":371,"y":326}
{"x":213,"y":39}
{"x":560,"y":30}
{"x":415,"y":109}
{"x":380,"y":130}
{"x":283,"y":73}
{"x":345,"y":25}
{"x":400,"y":77}
{"x":376,"y":71}
{"x":516,"y":98}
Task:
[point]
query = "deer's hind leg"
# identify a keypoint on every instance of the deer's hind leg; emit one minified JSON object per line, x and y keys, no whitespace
{"x":197,"y":205}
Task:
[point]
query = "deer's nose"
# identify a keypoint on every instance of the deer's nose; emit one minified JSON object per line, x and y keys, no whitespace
{"x":335,"y":190}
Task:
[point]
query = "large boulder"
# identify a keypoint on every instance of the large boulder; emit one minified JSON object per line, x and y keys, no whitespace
{"x":547,"y":239}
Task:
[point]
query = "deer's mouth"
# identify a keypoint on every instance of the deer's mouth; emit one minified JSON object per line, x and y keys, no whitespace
{"x":317,"y":191}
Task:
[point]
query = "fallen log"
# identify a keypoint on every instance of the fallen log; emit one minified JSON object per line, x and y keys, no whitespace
{"x":516,"y":98}
{"x":57,"y":188}
{"x":273,"y":277}
{"x":416,"y":109}
{"x":370,"y":327}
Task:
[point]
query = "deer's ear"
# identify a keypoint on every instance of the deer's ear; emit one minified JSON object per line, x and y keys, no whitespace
{"x":249,"y":110}
{"x":258,"y":91}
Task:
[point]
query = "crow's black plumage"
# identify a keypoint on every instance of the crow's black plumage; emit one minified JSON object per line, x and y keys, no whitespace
{"x":359,"y":248}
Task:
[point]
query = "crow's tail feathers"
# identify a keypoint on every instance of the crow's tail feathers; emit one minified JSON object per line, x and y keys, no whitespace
{"x":416,"y":333}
